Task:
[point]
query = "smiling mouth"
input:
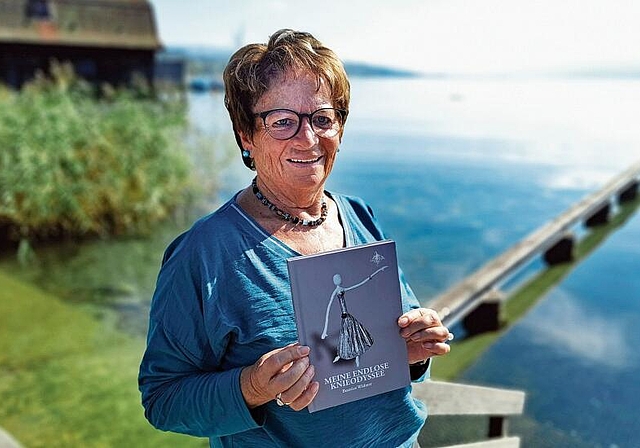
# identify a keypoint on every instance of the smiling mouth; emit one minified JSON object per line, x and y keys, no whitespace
{"x":306,"y":161}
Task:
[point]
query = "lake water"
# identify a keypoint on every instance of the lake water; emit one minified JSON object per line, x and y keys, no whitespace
{"x":457,"y":171}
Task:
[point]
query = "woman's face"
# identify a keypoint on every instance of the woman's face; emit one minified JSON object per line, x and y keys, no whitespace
{"x":304,"y":161}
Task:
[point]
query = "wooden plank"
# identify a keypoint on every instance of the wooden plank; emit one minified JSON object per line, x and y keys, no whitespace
{"x":503,"y":442}
{"x":462,"y":297}
{"x":445,"y":398}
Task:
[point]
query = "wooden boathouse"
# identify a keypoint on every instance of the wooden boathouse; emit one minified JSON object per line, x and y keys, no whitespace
{"x":106,"y":41}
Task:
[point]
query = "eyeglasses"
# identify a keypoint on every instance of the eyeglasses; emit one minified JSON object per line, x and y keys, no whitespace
{"x":283,"y":124}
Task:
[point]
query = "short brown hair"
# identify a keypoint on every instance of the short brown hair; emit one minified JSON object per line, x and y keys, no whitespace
{"x":251,"y":69}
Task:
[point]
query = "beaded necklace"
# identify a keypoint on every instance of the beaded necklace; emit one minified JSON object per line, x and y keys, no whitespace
{"x":287,"y":216}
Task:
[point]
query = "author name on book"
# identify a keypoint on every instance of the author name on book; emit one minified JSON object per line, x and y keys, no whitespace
{"x":357,"y":377}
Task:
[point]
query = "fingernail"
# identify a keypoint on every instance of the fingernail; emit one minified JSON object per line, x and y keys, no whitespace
{"x":428,"y":345}
{"x":303,"y":350}
{"x":403,"y":321}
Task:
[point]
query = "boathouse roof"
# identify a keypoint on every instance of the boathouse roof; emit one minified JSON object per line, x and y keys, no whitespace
{"x":123,"y":24}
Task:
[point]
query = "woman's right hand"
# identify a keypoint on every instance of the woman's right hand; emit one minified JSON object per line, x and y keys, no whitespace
{"x":283,"y":371}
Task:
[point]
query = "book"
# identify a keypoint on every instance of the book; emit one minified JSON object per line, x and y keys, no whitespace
{"x":347,"y":303}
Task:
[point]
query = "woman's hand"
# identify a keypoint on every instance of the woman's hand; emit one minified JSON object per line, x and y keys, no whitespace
{"x":284,"y":371}
{"x":424,"y":333}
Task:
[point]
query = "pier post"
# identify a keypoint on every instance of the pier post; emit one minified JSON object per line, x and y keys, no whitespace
{"x":600,"y":217}
{"x":486,"y":316}
{"x":497,"y":426}
{"x":561,"y":251}
{"x":629,"y":193}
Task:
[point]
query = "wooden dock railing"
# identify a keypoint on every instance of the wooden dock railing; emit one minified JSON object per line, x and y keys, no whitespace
{"x":466,"y":298}
{"x":594,"y":208}
{"x":444,"y":398}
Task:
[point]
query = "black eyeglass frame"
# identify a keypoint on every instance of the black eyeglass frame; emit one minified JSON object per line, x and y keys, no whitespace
{"x":342,"y":113}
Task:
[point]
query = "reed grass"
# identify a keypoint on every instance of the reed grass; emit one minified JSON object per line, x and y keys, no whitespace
{"x":73,"y":163}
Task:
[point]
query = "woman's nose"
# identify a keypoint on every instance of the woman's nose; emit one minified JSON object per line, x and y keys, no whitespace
{"x":306,"y":132}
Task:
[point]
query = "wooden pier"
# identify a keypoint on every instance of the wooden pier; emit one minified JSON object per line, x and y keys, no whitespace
{"x":445,"y":398}
{"x":553,"y":240}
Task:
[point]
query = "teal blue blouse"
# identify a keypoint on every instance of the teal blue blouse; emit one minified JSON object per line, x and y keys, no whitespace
{"x":222,"y":300}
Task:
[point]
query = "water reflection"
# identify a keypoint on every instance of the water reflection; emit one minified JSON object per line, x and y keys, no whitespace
{"x":112,"y":278}
{"x":565,"y":323}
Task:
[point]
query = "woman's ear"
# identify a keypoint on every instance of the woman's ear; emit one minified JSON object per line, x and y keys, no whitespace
{"x":246,"y":146}
{"x":247,"y":143}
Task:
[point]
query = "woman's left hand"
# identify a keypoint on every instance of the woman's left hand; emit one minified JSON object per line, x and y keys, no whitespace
{"x":424,"y":333}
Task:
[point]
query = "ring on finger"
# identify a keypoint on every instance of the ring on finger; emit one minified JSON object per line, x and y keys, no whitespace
{"x":279,"y":400}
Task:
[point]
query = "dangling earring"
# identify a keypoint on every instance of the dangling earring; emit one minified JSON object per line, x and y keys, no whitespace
{"x":246,"y":155}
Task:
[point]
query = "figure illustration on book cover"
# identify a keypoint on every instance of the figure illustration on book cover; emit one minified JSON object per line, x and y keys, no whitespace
{"x":354,"y":339}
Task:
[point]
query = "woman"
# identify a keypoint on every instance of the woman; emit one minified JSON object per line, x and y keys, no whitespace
{"x":222,"y":359}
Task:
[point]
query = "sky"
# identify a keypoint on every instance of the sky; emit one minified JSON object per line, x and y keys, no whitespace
{"x":431,"y":36}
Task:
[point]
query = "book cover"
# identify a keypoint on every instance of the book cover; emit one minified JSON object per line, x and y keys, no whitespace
{"x":347,"y":303}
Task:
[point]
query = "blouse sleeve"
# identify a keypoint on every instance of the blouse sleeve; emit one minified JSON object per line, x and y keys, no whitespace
{"x":183,"y":387}
{"x":409,"y":301}
{"x":179,"y":395}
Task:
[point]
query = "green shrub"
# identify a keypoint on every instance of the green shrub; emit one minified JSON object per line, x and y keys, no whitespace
{"x":73,"y":164}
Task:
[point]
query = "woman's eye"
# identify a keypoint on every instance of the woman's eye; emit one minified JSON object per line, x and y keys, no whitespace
{"x":322,"y":121}
{"x":283,"y":123}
